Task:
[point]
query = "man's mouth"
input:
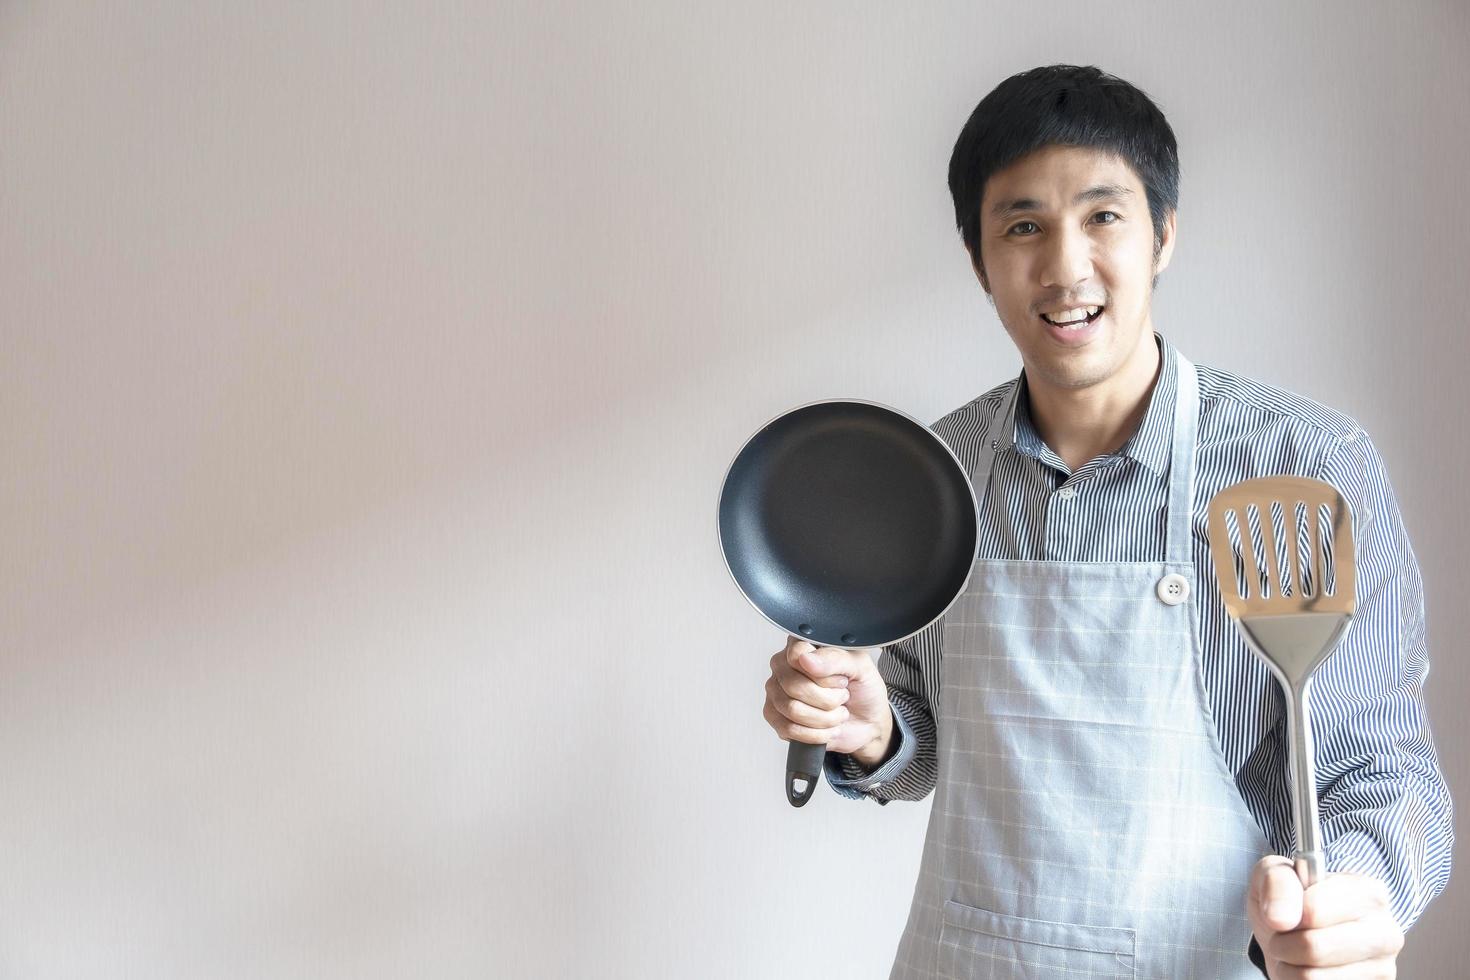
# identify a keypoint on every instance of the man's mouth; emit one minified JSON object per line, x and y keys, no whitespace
{"x":1073,"y":319}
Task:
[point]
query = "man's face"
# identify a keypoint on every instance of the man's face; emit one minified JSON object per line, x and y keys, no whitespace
{"x":1073,"y":231}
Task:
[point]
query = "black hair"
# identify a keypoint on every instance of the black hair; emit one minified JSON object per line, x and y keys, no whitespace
{"x":1068,"y":105}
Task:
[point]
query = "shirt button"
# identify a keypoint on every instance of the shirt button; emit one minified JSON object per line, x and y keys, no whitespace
{"x":1173,"y":589}
{"x":1067,"y":493}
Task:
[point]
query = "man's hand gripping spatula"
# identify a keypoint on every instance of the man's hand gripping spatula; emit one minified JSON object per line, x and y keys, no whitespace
{"x":1289,"y":588}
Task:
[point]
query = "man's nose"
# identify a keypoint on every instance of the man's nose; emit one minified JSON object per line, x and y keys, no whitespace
{"x":1068,"y":259}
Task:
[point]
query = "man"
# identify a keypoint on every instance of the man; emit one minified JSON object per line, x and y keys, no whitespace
{"x":1107,"y":756}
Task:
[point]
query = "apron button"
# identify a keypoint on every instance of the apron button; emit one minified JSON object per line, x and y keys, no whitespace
{"x":1173,"y":589}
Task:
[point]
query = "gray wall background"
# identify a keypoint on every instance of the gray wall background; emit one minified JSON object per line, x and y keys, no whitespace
{"x":368,"y":372}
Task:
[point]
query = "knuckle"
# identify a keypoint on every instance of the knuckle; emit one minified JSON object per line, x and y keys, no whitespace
{"x":1283,"y":946}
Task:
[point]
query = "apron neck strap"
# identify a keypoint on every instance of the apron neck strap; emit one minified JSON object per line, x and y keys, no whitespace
{"x":1181,"y":463}
{"x":1181,"y":457}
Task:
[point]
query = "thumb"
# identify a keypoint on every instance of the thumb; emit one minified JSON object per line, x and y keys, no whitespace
{"x":813,"y":661}
{"x":837,"y":666}
{"x":1279,"y":892}
{"x":822,"y":662}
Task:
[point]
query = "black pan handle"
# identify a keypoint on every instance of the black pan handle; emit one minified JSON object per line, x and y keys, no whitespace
{"x":803,"y":768}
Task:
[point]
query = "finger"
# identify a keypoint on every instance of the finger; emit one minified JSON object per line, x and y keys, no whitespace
{"x":1366,"y":970}
{"x":1343,"y":897}
{"x":1373,"y":938}
{"x":795,"y":647}
{"x":802,"y":713}
{"x":1275,"y":895}
{"x":827,"y":666}
{"x":792,"y":732}
{"x":794,"y":684}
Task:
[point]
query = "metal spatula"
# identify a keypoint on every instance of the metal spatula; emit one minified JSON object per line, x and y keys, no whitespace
{"x":1285,"y":610}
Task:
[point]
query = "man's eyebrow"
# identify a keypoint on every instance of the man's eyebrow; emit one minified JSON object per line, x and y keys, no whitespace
{"x":1102,"y":192}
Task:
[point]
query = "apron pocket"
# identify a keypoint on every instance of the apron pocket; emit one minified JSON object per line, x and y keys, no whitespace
{"x":976,"y":944}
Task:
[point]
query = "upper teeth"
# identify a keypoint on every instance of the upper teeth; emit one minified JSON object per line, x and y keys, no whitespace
{"x":1071,"y":316}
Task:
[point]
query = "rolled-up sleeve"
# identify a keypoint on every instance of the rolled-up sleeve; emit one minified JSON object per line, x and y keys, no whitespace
{"x":1385,"y":808}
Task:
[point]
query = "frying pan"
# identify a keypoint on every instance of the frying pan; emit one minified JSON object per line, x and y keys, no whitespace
{"x":850,"y":524}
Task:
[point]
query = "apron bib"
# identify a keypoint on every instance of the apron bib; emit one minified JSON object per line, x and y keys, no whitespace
{"x":1085,"y":823}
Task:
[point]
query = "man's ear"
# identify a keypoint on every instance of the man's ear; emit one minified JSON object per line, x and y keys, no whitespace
{"x":1166,"y":242}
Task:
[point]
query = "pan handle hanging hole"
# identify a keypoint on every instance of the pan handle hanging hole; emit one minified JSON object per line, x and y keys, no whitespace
{"x":805,"y":629}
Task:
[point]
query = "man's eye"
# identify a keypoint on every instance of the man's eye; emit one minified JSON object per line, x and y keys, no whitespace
{"x":1020,"y":225}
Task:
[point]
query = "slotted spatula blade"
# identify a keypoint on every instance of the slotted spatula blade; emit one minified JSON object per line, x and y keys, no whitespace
{"x":1290,"y":590}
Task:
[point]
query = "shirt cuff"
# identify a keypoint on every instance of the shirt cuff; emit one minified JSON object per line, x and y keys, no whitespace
{"x":851,"y":779}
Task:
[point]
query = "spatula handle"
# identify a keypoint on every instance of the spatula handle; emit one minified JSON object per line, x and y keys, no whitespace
{"x":1311,"y":864}
{"x":1311,"y":867}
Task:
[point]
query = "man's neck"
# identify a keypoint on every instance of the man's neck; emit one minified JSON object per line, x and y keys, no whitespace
{"x":1080,"y":424}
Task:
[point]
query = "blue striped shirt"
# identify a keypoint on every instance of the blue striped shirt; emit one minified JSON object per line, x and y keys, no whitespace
{"x":1384,"y":805}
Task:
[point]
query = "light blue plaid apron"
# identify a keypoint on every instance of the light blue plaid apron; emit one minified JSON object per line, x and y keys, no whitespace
{"x":1085,"y":823}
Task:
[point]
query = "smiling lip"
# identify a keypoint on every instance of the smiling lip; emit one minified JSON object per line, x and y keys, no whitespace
{"x":1077,"y":336}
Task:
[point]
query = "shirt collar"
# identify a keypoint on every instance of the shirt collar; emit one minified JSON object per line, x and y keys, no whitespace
{"x":1150,"y":443}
